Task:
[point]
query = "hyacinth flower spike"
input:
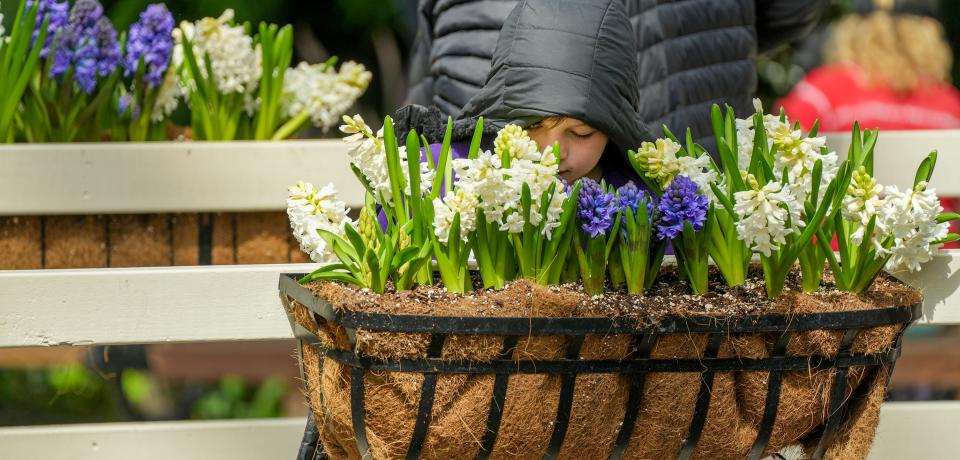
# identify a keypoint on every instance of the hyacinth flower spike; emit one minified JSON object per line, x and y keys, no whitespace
{"x":682,"y":212}
{"x":152,"y":94}
{"x":598,"y":216}
{"x":883,"y":228}
{"x":70,"y":99}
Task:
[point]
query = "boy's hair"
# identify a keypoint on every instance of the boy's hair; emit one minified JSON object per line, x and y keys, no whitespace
{"x":548,"y":122}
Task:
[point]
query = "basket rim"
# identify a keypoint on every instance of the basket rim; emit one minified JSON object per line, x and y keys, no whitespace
{"x":516,"y":325}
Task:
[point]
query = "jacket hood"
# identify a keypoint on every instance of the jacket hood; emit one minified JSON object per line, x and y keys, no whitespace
{"x":573,"y":58}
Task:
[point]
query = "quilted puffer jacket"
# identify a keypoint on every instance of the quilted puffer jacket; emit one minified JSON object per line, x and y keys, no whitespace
{"x":690,"y":53}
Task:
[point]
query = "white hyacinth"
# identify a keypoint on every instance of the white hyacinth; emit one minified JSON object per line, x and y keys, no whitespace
{"x":168,"y":96}
{"x":497,"y":190}
{"x":367,"y":153}
{"x":910,"y":218}
{"x":763,"y":214}
{"x":462,"y":200}
{"x":906,"y":225}
{"x":236,"y":63}
{"x":310,"y":210}
{"x":322,"y":92}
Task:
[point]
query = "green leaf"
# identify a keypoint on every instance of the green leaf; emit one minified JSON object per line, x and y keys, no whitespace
{"x":475,"y":140}
{"x":947,"y":217}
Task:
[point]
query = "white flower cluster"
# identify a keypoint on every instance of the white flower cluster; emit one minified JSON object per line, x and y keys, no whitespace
{"x":792,"y":152}
{"x":310,"y":210}
{"x":660,"y":162}
{"x":763,"y":213}
{"x":2,"y":31}
{"x":906,"y":225}
{"x":168,"y":96}
{"x":911,"y":219}
{"x":235,"y":61}
{"x":486,"y":184}
{"x":322,"y":92}
{"x":367,"y":153}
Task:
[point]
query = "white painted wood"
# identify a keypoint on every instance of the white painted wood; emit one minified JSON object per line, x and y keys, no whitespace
{"x":103,"y":178}
{"x":918,"y":430}
{"x":898,"y":153}
{"x":907,"y":430}
{"x":201,"y":440}
{"x":184,"y":304}
{"x":93,"y":178}
{"x":142,"y":305}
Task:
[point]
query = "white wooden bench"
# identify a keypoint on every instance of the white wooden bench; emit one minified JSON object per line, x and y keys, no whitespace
{"x":232,"y":303}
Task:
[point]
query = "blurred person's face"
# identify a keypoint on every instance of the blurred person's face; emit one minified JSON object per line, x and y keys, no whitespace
{"x":581,"y":145}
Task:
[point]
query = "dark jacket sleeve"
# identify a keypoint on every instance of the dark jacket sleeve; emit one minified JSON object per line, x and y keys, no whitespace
{"x":782,"y":21}
{"x":420,"y":90}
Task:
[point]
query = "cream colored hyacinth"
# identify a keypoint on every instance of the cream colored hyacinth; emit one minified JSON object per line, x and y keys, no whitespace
{"x":309,"y":210}
{"x":236,"y":63}
{"x":861,"y":203}
{"x":660,"y":162}
{"x":792,"y":152}
{"x":322,"y":92}
{"x":168,"y":96}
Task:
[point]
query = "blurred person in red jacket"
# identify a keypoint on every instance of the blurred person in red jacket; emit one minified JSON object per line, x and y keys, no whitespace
{"x":888,"y":68}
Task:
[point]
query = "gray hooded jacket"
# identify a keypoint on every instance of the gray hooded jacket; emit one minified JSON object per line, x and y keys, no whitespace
{"x":690,"y":53}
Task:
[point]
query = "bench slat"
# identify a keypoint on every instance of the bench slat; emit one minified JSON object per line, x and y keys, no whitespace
{"x":184,"y":304}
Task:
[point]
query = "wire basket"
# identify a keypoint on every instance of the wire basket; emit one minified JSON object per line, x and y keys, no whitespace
{"x":638,"y":366}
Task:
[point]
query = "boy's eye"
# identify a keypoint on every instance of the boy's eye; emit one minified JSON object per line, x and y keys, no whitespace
{"x":583,"y":134}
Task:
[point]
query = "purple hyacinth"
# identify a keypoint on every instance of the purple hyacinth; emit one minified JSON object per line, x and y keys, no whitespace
{"x":629,"y":196}
{"x":57,"y":12}
{"x":88,"y":43}
{"x":596,"y":208}
{"x":151,"y":39}
{"x":681,"y":202}
{"x":127,"y":103}
{"x":107,"y":47}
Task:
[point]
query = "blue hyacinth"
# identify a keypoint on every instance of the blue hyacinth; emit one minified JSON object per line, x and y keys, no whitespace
{"x":57,"y":12}
{"x":629,"y":196}
{"x":681,"y":202}
{"x":596,"y":208}
{"x":88,"y":44}
{"x":151,"y":39}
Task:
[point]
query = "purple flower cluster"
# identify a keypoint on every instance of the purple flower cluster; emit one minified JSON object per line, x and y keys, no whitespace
{"x":681,"y":202}
{"x":630,"y":196}
{"x":150,"y":39}
{"x":596,"y":208}
{"x":57,"y":14}
{"x":88,"y":43}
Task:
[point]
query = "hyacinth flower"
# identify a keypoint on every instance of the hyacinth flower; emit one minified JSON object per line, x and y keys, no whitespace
{"x":19,"y":59}
{"x":639,"y":253}
{"x":681,"y":214}
{"x":884,"y":228}
{"x":70,"y":98}
{"x":151,"y":91}
{"x":598,"y":219}
{"x":220,"y":66}
{"x":779,"y":187}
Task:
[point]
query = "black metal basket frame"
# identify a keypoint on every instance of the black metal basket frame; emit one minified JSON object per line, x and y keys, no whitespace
{"x":638,"y":365}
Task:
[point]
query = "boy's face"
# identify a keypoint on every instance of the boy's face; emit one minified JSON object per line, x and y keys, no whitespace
{"x":581,"y":146}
